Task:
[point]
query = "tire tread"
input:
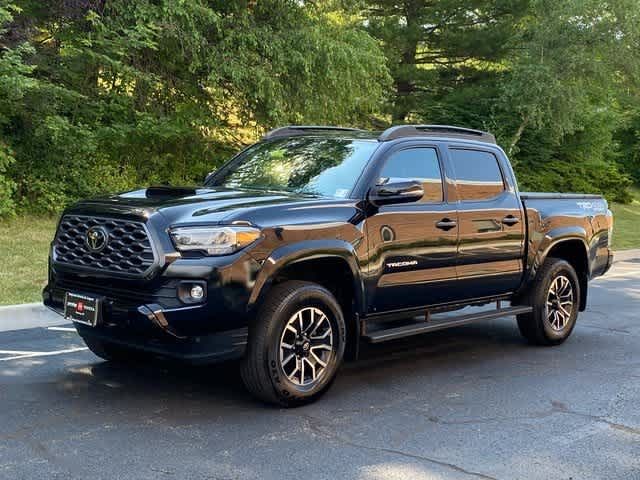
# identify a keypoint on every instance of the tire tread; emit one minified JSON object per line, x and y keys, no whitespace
{"x":531,"y":325}
{"x":254,"y":367}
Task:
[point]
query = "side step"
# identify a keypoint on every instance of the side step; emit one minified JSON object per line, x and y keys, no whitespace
{"x":418,"y":328}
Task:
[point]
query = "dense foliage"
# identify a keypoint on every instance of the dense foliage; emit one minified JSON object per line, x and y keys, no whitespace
{"x":104,"y":95}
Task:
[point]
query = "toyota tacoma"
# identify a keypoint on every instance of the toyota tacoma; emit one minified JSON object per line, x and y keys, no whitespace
{"x":316,"y":239}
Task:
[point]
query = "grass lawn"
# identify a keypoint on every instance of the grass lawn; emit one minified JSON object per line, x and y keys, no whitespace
{"x":24,"y":247}
{"x":626,"y":225}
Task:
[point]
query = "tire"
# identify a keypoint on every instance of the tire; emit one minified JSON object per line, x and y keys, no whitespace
{"x":109,"y":351}
{"x":542,"y":326}
{"x":299,"y":327}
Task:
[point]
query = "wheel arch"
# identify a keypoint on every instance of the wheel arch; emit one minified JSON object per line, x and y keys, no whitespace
{"x":573,"y":249}
{"x":334,"y":266}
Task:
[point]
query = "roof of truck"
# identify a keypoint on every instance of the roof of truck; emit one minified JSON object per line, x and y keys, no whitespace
{"x":392,"y":133}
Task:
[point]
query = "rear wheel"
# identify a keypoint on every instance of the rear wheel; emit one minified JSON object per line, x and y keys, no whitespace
{"x":555,"y":298}
{"x":296,"y":344}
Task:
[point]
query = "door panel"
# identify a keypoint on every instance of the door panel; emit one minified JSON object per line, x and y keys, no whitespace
{"x":412,"y":246}
{"x":491,"y":226}
{"x":413,"y":261}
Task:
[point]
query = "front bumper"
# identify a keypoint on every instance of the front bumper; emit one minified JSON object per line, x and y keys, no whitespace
{"x":218,"y":347}
{"x":171,"y":332}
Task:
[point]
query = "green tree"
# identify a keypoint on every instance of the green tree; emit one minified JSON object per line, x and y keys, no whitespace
{"x":104,"y":95}
{"x":126,"y":93}
{"x":546,"y":77}
{"x":432,"y":46}
{"x":563,"y":89}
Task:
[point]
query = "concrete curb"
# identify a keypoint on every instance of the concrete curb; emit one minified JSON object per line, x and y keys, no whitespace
{"x":626,"y":255}
{"x":30,"y":315}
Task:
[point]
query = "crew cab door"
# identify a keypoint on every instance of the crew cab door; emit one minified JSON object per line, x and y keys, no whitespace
{"x":490,"y":220}
{"x":412,"y":246}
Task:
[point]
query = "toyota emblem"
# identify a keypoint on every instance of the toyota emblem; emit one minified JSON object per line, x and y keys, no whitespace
{"x":96,"y":238}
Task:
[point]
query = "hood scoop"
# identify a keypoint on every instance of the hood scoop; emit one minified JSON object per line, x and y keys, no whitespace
{"x":169,"y":192}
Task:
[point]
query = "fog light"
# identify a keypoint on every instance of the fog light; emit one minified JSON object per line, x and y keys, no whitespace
{"x":197,"y":292}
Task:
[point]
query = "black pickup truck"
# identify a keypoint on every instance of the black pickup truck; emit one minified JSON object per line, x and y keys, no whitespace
{"x":318,"y":238}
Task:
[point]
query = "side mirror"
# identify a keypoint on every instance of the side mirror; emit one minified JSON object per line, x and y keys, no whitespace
{"x":397,"y":192}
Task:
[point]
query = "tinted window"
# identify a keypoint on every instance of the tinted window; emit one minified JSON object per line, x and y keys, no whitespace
{"x":419,"y":164}
{"x":477,"y":174}
{"x":327,"y":167}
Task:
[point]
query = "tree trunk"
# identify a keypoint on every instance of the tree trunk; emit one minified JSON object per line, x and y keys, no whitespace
{"x":404,"y":84}
{"x":518,"y":135}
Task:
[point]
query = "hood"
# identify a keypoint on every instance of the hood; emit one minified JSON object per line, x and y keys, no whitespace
{"x":187,"y":205}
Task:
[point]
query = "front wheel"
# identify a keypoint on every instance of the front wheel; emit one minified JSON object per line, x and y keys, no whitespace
{"x":555,"y":298}
{"x":296,"y":344}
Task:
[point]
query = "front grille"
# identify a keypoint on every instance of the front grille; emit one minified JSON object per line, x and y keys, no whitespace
{"x":127,"y":251}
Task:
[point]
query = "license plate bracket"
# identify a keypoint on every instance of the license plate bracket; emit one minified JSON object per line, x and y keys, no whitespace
{"x":82,"y":308}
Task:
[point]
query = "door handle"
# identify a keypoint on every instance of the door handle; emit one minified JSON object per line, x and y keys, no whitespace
{"x":446,"y":224}
{"x":510,"y":220}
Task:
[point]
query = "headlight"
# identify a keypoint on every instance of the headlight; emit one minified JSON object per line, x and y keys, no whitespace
{"x":214,"y":240}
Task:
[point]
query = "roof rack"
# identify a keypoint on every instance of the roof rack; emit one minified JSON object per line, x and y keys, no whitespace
{"x":402,"y":131}
{"x":293,"y":130}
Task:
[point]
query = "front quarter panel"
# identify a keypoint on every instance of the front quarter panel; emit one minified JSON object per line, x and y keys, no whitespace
{"x":288,"y":244}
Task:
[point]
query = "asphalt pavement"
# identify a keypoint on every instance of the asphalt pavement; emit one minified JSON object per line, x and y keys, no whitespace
{"x":473,"y":402}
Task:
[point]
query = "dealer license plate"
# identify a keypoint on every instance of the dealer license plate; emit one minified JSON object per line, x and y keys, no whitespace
{"x":82,"y":308}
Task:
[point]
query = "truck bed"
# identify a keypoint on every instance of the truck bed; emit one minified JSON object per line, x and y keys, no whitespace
{"x":581,"y":216}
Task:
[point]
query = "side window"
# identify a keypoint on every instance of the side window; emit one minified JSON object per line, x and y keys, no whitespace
{"x":419,"y":164}
{"x":478,"y":174}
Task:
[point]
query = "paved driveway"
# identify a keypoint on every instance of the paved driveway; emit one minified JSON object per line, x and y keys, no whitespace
{"x":474,"y":402}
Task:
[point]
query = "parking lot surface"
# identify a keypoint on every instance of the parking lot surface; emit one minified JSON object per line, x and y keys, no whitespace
{"x":473,"y":402}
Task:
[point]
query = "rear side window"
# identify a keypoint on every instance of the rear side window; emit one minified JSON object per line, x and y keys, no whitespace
{"x":478,"y":174}
{"x":420,"y":164}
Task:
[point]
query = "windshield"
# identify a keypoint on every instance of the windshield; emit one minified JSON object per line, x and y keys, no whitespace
{"x":327,"y":167}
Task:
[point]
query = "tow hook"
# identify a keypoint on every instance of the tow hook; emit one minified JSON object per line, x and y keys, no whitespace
{"x":155,"y":314}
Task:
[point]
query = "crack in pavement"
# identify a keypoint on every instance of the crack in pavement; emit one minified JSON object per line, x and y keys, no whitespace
{"x":314,"y":424}
{"x":606,"y":329}
{"x":556,"y":407}
{"x":562,"y":408}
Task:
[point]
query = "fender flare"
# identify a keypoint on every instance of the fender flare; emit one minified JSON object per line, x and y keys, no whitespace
{"x":551,"y":240}
{"x":560,"y":235}
{"x":291,"y":254}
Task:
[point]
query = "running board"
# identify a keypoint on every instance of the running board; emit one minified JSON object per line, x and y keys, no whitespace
{"x":418,"y":328}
